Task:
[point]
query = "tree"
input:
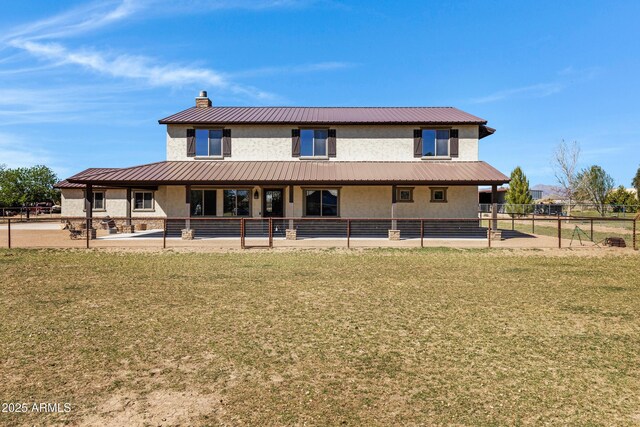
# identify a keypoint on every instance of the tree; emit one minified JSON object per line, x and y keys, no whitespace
{"x":622,"y":200}
{"x":565,"y":165}
{"x":636,"y":183}
{"x":27,"y":185}
{"x":594,"y":184}
{"x":518,"y":196}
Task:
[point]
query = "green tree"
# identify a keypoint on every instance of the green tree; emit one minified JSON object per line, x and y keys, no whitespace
{"x":636,"y":183}
{"x":21,"y":186}
{"x":595,"y":185}
{"x":518,"y":197}
{"x":622,"y":200}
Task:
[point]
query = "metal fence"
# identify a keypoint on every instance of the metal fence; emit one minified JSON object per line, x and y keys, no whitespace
{"x":562,"y":209}
{"x":235,"y":232}
{"x":29,"y":213}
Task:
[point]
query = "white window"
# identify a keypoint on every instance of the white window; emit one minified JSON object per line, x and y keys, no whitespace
{"x":435,"y":142}
{"x":313,"y":142}
{"x":209,"y":142}
{"x":143,"y":200}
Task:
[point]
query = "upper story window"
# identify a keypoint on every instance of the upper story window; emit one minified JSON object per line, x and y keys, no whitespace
{"x":313,"y":142}
{"x":435,"y":142}
{"x":209,"y":142}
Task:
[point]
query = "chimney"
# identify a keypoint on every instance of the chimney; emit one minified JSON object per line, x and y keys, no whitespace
{"x":203,"y":101}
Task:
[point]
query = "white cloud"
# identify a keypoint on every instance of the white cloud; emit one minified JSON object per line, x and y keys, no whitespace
{"x":534,"y":91}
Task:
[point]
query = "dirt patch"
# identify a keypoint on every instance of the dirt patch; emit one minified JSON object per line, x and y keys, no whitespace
{"x":159,"y":408}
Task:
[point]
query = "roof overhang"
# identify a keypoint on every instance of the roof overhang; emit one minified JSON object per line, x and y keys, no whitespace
{"x":302,"y":172}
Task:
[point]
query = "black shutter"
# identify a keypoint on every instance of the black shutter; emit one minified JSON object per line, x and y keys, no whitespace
{"x":453,"y":143}
{"x":417,"y":143}
{"x":191,"y":142}
{"x":295,"y":142}
{"x":331,"y":142}
{"x":226,"y":142}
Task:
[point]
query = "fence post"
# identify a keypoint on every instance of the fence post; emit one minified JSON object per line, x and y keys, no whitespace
{"x":489,"y":234}
{"x":533,"y":223}
{"x":348,"y":233}
{"x":242,"y":233}
{"x":88,"y":231}
{"x":270,"y":232}
{"x":592,"y":229}
{"x":559,"y":232}
{"x":164,"y":234}
{"x":422,"y":232}
{"x":635,"y":243}
{"x":9,"y":232}
{"x":513,"y":222}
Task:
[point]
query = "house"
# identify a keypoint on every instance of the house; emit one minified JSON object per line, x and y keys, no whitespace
{"x":297,"y":162}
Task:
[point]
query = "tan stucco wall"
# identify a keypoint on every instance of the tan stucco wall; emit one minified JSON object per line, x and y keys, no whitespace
{"x":354,"y":202}
{"x":353,"y":143}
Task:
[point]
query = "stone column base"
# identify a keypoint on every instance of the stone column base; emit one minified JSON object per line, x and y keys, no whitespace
{"x":394,"y":234}
{"x":495,"y":235}
{"x":127,"y":228}
{"x":291,"y":234}
{"x":188,"y":234}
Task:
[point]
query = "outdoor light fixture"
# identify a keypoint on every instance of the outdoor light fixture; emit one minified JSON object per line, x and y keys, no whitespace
{"x":256,"y":195}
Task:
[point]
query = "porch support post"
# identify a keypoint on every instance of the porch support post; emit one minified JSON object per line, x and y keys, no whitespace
{"x":291,"y":206}
{"x":394,"y":233}
{"x":187,"y":189}
{"x":128,"y":207}
{"x":494,"y":206}
{"x":290,"y":232}
{"x":88,"y":198}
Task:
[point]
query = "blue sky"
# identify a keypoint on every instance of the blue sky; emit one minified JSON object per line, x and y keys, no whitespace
{"x":83,"y":84}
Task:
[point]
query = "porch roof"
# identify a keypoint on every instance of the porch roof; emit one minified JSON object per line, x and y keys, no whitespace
{"x":296,"y":172}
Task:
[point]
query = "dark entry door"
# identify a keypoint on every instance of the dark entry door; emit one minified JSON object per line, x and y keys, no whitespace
{"x":273,"y":203}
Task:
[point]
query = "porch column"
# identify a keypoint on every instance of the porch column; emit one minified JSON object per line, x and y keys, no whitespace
{"x":88,"y":201}
{"x":494,"y":206}
{"x":187,"y":189}
{"x":290,"y":206}
{"x":394,"y":224}
{"x":128,"y":207}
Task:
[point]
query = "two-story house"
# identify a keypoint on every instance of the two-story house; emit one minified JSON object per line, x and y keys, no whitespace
{"x":324,"y":162}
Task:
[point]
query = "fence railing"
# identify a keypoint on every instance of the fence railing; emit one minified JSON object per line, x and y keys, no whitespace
{"x":246,"y":232}
{"x":29,"y":213}
{"x":562,"y":209}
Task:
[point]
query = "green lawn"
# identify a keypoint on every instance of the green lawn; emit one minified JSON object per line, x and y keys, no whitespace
{"x":334,"y":337}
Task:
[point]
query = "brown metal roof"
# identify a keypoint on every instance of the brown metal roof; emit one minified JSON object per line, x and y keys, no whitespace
{"x":323,"y":115}
{"x":297,"y":172}
{"x":66,"y":184}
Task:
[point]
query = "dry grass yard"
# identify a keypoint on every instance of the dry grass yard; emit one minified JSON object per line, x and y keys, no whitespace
{"x":321,"y":337}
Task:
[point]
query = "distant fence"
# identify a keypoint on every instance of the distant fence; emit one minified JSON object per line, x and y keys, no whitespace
{"x":563,"y":209}
{"x":29,"y":213}
{"x":227,"y":232}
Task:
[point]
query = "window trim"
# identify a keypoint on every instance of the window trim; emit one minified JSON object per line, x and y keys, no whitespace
{"x":326,"y":148}
{"x":444,"y":194}
{"x":399,"y":189}
{"x":436,"y":128}
{"x":250,"y":190}
{"x":209,"y":156}
{"x":133,"y":201}
{"x":304,"y":202}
